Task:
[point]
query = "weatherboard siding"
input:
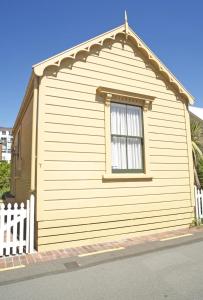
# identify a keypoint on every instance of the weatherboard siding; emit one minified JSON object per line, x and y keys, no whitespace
{"x":21,"y":167}
{"x":75,"y":207}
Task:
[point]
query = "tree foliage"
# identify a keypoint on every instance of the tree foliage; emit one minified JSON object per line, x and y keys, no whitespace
{"x":4,"y":177}
{"x":196,"y":151}
{"x":200,"y":172}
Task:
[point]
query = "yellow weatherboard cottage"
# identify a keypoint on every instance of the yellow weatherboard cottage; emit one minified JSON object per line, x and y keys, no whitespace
{"x":102,"y":139}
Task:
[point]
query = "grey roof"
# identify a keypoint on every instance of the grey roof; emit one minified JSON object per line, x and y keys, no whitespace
{"x":197,"y":111}
{"x":6,"y":128}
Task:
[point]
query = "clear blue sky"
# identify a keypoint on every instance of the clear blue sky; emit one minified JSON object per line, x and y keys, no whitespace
{"x":31,"y":31}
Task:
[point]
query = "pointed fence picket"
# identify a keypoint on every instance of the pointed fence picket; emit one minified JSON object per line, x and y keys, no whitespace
{"x":17,"y":228}
{"x":199,"y":204}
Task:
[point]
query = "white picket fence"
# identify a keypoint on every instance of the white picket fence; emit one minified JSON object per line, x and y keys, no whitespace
{"x":17,"y":228}
{"x":199,"y":204}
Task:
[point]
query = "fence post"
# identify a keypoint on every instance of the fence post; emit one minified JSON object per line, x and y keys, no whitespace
{"x":2,"y":216}
{"x":201,"y":203}
{"x":15,"y":228}
{"x":27,"y":226}
{"x":31,"y":235}
{"x":8,"y":229}
{"x":21,"y":227}
{"x":196,"y":203}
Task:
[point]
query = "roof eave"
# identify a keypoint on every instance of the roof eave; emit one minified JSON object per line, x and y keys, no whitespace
{"x":39,"y":67}
{"x":162,"y":68}
{"x":56,"y":60}
{"x":25,"y":102}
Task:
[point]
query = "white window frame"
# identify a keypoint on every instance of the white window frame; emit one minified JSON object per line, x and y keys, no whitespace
{"x":125,"y":135}
{"x":145,"y":101}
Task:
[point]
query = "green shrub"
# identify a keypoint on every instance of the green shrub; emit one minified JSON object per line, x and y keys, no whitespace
{"x":5,"y":170}
{"x":200,"y":172}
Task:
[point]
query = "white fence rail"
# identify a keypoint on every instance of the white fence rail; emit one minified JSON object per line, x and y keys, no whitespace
{"x":199,"y":203}
{"x":17,"y":228}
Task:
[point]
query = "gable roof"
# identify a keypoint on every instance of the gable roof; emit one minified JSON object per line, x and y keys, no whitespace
{"x":197,"y":111}
{"x":99,"y":40}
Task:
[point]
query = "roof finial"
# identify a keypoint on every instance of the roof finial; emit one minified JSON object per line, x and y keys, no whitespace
{"x":126,"y":24}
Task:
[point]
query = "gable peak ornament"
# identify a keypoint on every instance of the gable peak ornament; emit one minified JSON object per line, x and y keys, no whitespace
{"x":126,"y":24}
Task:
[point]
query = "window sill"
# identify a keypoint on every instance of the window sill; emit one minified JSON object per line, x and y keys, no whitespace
{"x":126,"y":176}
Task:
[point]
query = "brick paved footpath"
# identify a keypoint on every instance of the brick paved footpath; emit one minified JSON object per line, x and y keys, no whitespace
{"x":37,"y":257}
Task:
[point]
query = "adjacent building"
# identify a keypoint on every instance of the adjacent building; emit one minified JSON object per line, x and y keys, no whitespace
{"x":0,"y":151}
{"x":102,"y":140}
{"x":6,"y":143}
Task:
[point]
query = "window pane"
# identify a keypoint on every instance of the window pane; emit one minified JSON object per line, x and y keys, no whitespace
{"x":118,"y":119}
{"x":134,"y":120}
{"x":118,"y":153}
{"x":134,"y":149}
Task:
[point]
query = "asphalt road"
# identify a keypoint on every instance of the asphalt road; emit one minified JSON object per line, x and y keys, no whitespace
{"x":163,"y":270}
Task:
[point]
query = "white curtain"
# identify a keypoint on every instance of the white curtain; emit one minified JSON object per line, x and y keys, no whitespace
{"x":118,"y":149}
{"x":134,"y":149}
{"x":118,"y":119}
{"x":134,"y":121}
{"x":126,"y":120}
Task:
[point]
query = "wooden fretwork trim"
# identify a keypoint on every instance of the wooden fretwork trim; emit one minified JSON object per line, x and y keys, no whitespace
{"x":125,"y":97}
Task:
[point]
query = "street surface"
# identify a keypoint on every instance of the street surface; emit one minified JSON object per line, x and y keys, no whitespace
{"x":160,"y":270}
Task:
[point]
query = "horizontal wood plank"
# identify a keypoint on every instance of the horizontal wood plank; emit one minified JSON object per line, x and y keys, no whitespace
{"x":166,"y":222}
{"x":148,"y":213}
{"x":82,"y":242}
{"x":94,"y":193}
